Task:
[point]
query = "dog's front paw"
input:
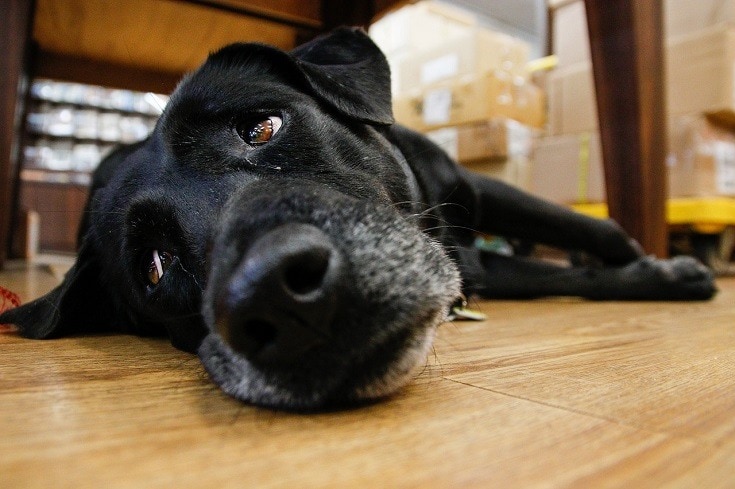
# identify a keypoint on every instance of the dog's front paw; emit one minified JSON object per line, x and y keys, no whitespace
{"x":678,"y":278}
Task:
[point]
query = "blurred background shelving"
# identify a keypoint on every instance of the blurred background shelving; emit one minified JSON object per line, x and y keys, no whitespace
{"x":69,"y":128}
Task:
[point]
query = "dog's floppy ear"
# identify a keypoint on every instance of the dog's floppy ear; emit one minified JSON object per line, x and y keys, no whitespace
{"x":77,"y":305}
{"x":346,"y":69}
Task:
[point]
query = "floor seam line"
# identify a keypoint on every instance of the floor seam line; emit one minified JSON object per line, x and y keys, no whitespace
{"x":618,"y":422}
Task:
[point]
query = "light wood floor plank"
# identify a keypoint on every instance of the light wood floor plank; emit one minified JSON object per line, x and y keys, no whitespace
{"x":549,"y":393}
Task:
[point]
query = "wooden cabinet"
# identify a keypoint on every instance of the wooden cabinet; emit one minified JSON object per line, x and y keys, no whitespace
{"x":59,"y":208}
{"x":69,"y":128}
{"x":134,"y":44}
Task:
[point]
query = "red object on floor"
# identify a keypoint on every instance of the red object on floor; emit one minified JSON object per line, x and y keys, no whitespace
{"x":8,"y":300}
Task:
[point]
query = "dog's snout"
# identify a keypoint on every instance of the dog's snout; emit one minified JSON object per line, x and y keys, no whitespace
{"x":282,"y":298}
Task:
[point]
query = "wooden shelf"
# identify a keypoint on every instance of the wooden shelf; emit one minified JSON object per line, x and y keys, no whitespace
{"x":165,"y":38}
{"x":56,"y":177}
{"x":144,"y":45}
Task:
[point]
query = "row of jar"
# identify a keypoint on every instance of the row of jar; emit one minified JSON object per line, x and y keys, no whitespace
{"x":72,"y":122}
{"x":99,"y":97}
{"x":64,"y":155}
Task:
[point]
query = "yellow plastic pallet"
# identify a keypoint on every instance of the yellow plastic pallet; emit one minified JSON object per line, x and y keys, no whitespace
{"x":705,"y":215}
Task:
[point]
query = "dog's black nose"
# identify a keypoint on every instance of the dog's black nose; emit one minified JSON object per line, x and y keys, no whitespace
{"x":282,"y":298}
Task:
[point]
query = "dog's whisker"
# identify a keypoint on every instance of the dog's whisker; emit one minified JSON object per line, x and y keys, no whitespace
{"x":451,"y":227}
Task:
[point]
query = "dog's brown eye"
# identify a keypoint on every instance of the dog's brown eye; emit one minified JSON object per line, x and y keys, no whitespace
{"x":260,"y":132}
{"x":155,"y":265}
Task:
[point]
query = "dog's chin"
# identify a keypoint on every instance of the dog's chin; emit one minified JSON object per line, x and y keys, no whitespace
{"x":372,"y":376}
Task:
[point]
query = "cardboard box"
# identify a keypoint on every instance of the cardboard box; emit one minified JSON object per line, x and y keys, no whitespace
{"x":569,"y":34}
{"x":681,"y":17}
{"x":702,"y":160}
{"x":700,"y":72}
{"x":491,"y":140}
{"x":700,"y":78}
{"x":568,"y":169}
{"x":471,"y":99}
{"x":475,"y":52}
{"x":419,"y":26}
{"x":554,"y":4}
{"x":572,"y":102}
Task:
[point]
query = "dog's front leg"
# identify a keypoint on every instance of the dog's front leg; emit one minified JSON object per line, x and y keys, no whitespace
{"x":507,"y":211}
{"x":510,"y":277}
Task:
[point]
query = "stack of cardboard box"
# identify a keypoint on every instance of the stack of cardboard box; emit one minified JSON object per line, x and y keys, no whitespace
{"x":467,"y":88}
{"x":463,"y":85}
{"x":700,"y":83}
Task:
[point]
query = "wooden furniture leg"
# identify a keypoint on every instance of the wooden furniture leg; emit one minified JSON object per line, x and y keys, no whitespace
{"x":627,"y":57}
{"x":15,"y":28}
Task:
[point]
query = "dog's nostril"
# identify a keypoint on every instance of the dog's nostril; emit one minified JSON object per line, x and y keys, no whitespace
{"x":305,"y":273}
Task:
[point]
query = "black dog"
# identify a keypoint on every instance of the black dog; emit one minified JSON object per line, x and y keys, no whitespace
{"x":278,"y":224}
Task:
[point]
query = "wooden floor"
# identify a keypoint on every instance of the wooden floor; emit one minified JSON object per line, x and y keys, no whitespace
{"x":552,"y":393}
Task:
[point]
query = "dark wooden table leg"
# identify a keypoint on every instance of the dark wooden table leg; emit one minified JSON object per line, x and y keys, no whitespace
{"x":627,"y":56}
{"x":15,"y":29}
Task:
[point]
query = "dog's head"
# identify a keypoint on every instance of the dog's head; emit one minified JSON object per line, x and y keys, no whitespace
{"x":268,"y":223}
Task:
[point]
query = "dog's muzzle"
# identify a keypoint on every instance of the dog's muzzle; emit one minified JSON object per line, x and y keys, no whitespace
{"x":316,"y":299}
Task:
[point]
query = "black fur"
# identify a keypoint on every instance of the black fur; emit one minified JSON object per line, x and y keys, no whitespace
{"x":393,"y":215}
